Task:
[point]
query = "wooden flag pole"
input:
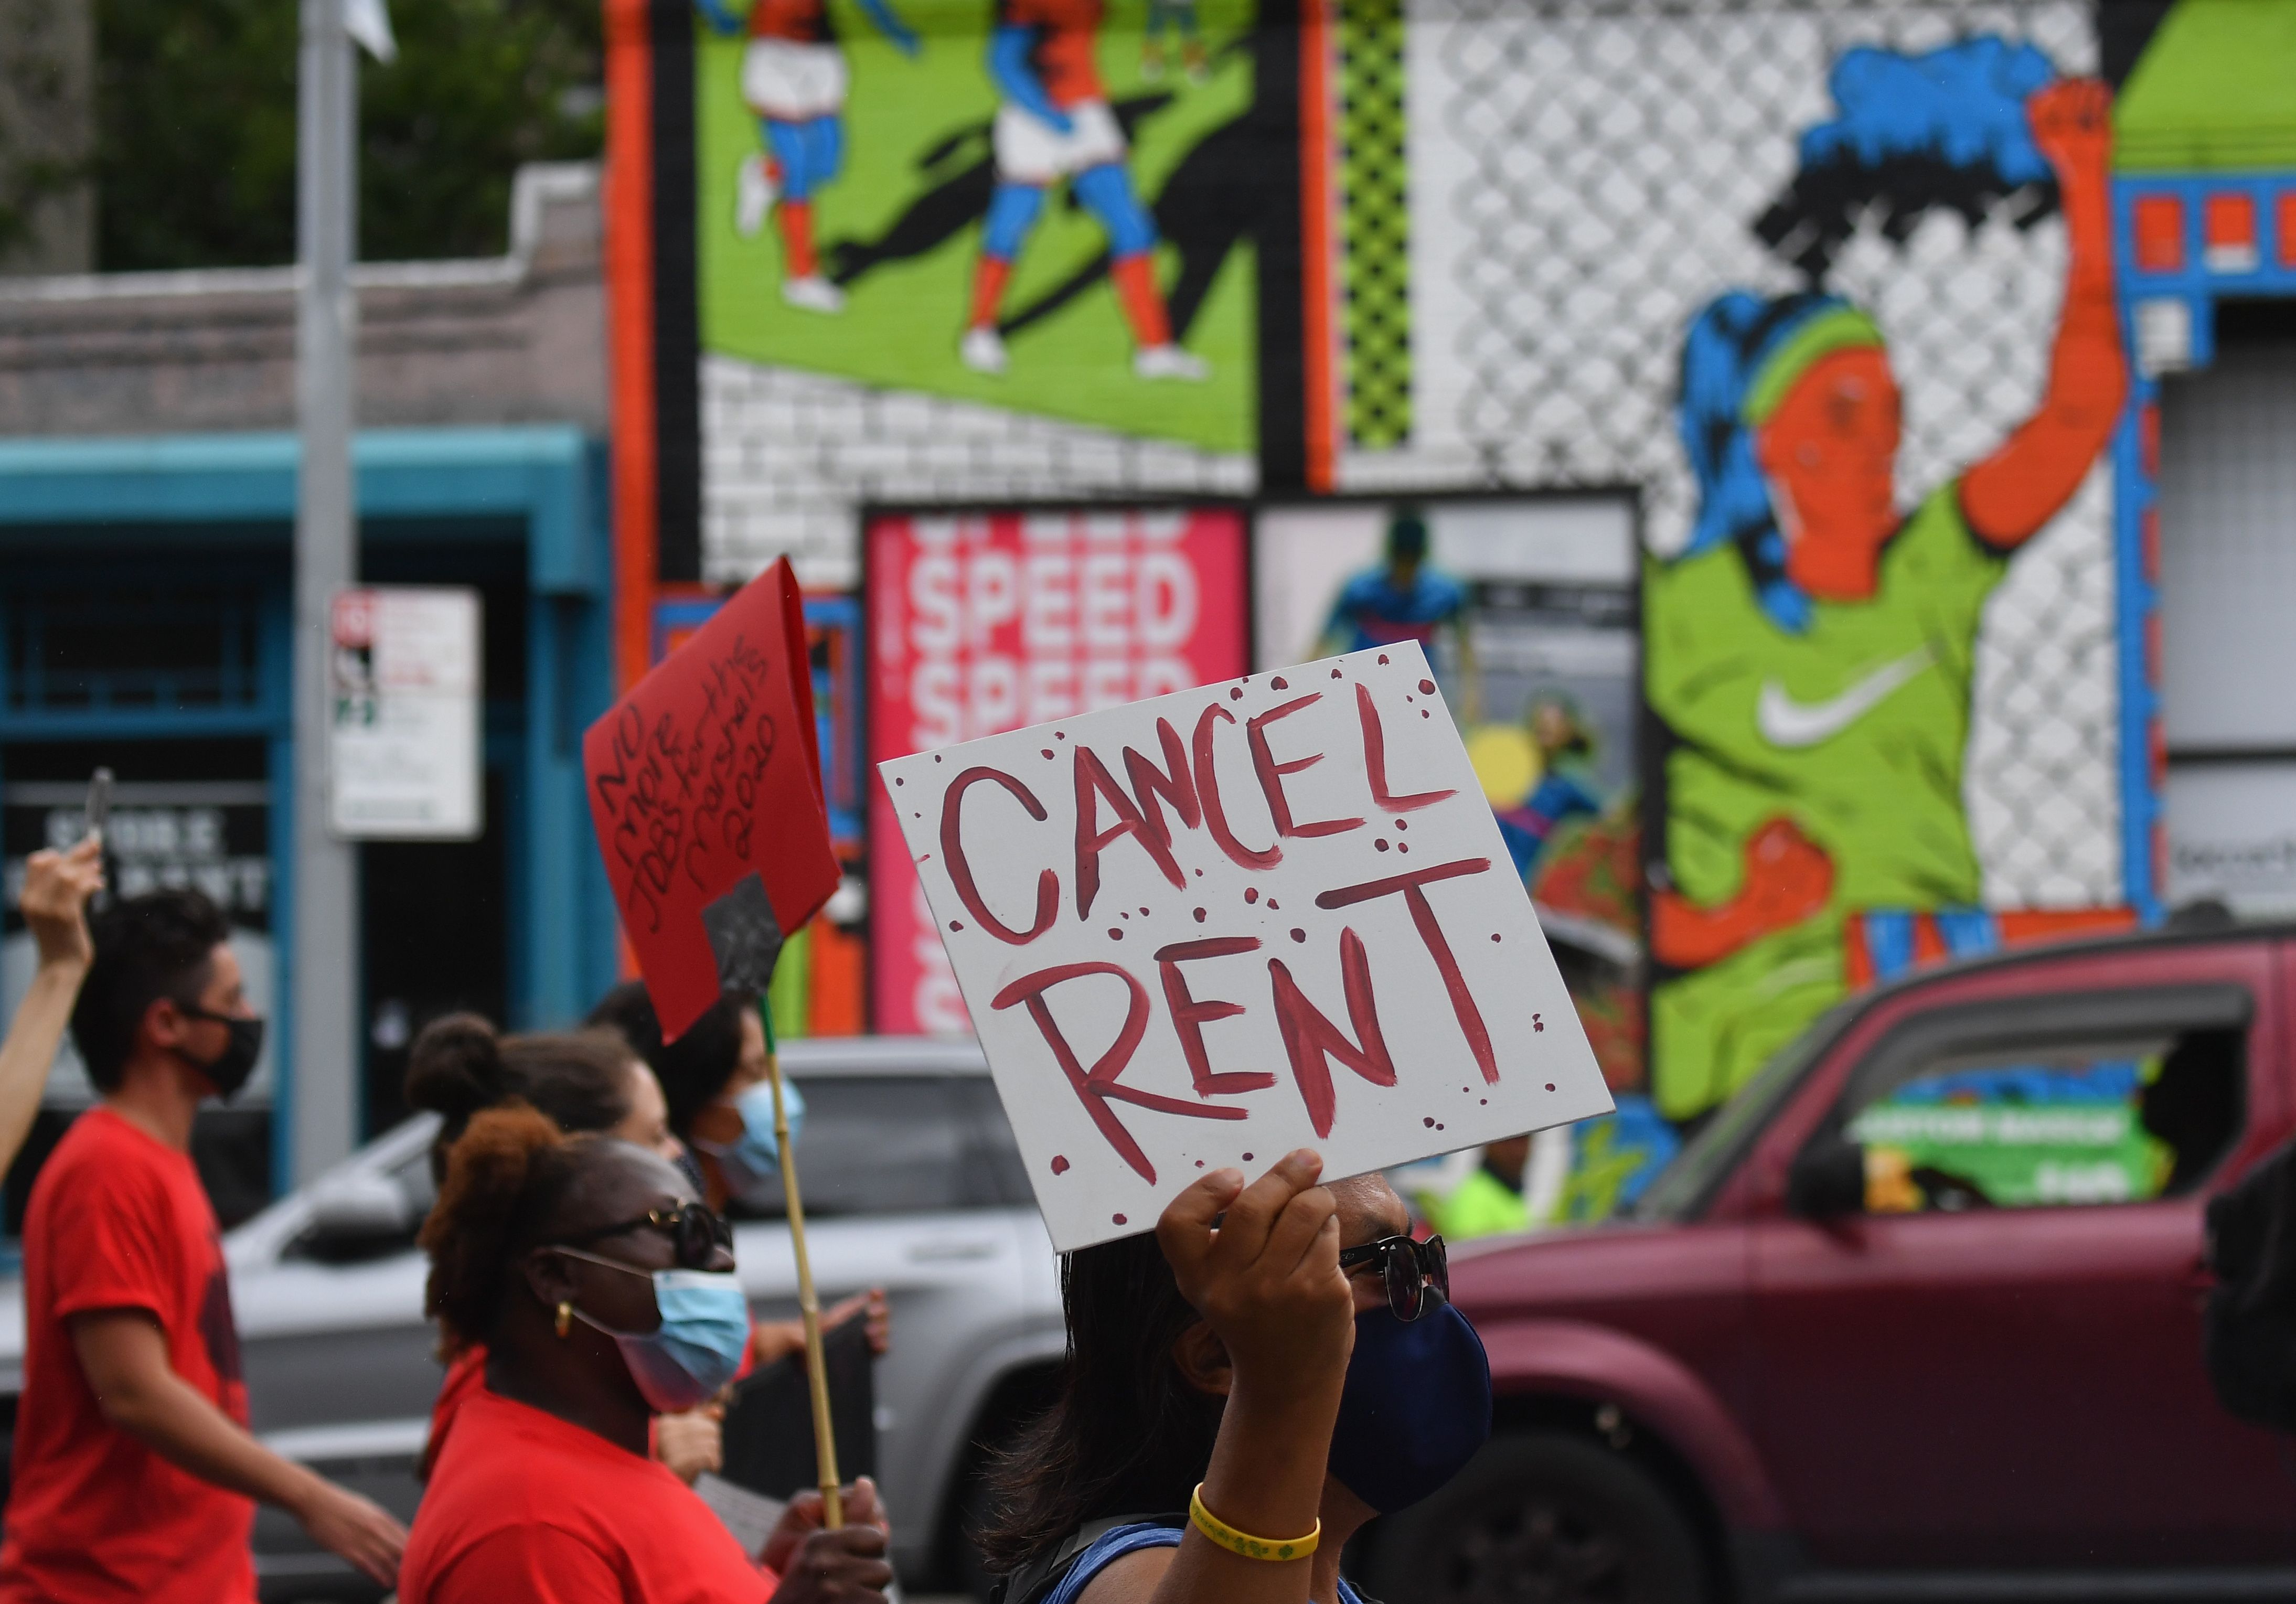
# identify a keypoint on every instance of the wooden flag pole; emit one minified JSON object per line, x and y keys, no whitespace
{"x":816,"y":1363}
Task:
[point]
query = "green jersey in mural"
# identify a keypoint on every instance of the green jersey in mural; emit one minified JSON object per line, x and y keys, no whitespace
{"x":1853,"y":730}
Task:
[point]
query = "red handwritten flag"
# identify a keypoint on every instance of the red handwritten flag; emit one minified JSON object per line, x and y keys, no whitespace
{"x":705,"y":788}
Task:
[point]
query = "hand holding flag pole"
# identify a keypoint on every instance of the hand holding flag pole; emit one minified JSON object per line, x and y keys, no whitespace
{"x":705,"y":790}
{"x":808,"y":1303}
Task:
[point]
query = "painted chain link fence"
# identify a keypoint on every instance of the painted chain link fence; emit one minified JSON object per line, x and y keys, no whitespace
{"x":1583,"y":177}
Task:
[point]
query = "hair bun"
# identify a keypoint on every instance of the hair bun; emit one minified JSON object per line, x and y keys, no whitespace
{"x":455,"y":1066}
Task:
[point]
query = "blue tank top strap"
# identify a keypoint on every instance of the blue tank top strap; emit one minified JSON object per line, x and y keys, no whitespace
{"x":1104,"y":1551}
{"x":1114,"y":1543}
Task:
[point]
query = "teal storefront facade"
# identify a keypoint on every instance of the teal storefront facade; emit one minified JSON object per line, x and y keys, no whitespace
{"x":145,"y":595}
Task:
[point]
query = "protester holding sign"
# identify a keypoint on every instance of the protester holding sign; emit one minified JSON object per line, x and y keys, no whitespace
{"x":134,"y":1474}
{"x":721,"y":1109}
{"x":57,"y":886}
{"x":1242,"y":1392}
{"x":705,"y":792}
{"x":602,"y":1290}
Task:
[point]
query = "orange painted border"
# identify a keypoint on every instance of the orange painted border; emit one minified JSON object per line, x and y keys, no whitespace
{"x":1315,"y":242}
{"x":629,"y":314}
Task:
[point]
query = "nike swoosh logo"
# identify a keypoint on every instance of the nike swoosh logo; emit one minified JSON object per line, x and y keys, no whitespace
{"x":1785,"y":722}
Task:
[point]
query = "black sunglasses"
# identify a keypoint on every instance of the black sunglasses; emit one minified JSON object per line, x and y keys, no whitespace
{"x":1418,"y":1274}
{"x":695,"y":1232}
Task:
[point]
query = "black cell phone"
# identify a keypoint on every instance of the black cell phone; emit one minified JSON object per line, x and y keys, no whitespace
{"x":99,"y":801}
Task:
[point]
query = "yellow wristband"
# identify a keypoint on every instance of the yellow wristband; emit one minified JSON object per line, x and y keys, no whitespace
{"x":1243,"y":1542}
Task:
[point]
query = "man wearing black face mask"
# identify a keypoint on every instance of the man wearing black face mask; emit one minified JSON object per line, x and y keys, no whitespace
{"x":134,"y":1472}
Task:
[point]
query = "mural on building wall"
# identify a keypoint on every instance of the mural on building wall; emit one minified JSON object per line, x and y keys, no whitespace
{"x":1036,"y":205}
{"x":1814,"y":290}
{"x":1809,"y":651}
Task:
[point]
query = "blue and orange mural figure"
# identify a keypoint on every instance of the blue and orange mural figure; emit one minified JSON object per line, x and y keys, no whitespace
{"x":1178,"y":17}
{"x":794,"y":80}
{"x":1809,"y":654}
{"x":1405,"y":598}
{"x":1054,"y":123}
{"x":1565,"y":740}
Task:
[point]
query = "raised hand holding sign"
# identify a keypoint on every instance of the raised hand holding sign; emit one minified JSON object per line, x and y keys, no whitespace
{"x":1171,"y":918}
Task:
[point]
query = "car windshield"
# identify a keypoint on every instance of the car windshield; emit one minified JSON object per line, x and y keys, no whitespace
{"x":1684,"y":1188}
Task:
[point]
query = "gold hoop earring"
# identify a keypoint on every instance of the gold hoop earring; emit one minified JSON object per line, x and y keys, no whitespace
{"x":565,"y":1317}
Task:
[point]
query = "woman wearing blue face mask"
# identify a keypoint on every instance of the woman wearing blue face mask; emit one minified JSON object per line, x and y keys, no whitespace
{"x":721,"y":1108}
{"x":604,"y":1292}
{"x":586,"y":1080}
{"x":1243,"y":1390}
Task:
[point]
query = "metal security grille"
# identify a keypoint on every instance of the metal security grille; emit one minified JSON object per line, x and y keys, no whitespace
{"x":1586,"y":174}
{"x":100,"y":649}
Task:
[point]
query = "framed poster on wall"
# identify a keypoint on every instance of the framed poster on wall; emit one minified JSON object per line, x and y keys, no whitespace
{"x":992,"y":620}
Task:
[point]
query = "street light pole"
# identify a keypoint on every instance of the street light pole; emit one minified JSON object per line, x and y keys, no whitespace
{"x":318,"y":1092}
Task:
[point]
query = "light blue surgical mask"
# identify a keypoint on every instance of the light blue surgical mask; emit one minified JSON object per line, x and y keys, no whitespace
{"x":751,"y":1164}
{"x":704,"y":1332}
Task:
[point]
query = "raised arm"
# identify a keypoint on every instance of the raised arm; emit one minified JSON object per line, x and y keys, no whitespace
{"x":2010,"y":495}
{"x":57,"y":886}
{"x":1262,"y":1265}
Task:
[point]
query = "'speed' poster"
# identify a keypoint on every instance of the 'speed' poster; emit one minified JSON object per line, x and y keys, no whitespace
{"x":982,"y":623}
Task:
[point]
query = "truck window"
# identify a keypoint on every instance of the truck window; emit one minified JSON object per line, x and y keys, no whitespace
{"x":996,"y":1151}
{"x":885,"y":1144}
{"x":2123,"y":1119}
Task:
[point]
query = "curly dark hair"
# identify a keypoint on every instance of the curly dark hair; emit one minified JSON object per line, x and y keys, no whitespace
{"x":1126,"y":1434}
{"x":507,"y":1182}
{"x":159,"y":944}
{"x":461,"y":1065}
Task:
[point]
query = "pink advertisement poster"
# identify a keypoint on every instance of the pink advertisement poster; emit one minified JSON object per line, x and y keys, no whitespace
{"x":984,"y":622}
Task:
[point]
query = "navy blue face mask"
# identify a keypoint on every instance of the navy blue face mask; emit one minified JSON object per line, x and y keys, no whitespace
{"x":1416,"y":1406}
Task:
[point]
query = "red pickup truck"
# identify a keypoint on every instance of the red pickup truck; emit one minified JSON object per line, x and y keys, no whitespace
{"x":1918,"y":1314}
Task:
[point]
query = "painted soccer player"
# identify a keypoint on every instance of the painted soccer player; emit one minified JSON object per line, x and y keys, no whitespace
{"x":1812,"y":650}
{"x":1055,"y":123}
{"x":1179,"y":17}
{"x":793,"y":78}
{"x":1408,"y":598}
{"x":1566,"y":786}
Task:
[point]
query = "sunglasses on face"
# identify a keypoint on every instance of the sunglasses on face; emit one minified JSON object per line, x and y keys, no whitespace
{"x":696,"y":1233}
{"x":1417,"y":1274}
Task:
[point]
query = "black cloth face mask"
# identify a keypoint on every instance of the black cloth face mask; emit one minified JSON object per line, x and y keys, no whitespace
{"x":228,"y":1070}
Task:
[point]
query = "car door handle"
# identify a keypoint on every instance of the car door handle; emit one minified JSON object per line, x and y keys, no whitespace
{"x":950,"y":1250}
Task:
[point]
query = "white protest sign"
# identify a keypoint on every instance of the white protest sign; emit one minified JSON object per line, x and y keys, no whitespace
{"x":1209,"y":928}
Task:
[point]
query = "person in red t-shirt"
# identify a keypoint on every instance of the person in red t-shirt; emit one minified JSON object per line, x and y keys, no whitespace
{"x":586,"y":1080}
{"x":603,"y":1293}
{"x":134,"y":1474}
